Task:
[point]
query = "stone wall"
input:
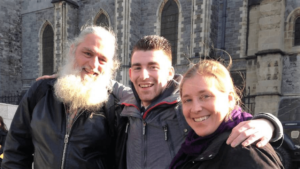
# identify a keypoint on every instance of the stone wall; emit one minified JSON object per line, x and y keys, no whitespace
{"x":258,"y":37}
{"x":88,"y":10}
{"x":35,"y":16}
{"x":290,"y":75}
{"x":233,"y":27}
{"x":32,"y":30}
{"x":10,"y":47}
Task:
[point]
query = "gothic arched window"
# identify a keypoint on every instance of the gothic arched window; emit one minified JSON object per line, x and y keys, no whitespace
{"x":169,"y":26}
{"x":297,"y":32}
{"x":48,"y":48}
{"x":102,"y":20}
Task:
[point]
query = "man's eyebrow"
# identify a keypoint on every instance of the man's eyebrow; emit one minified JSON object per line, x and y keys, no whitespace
{"x":88,"y":49}
{"x":150,"y":63}
{"x":135,"y":64}
{"x":94,"y":53}
{"x":153,"y":63}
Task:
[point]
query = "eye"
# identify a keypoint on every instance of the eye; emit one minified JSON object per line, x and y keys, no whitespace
{"x":102,"y":60}
{"x":136,"y":68}
{"x":205,"y":97}
{"x":88,"y":54}
{"x":187,"y":100}
{"x":154,"y":67}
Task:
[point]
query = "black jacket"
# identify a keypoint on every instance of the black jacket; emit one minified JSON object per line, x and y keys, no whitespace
{"x":38,"y":134}
{"x":2,"y":140}
{"x":219,"y":155}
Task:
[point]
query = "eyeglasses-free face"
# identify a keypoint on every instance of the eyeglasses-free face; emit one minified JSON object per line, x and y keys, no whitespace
{"x":150,"y":72}
{"x":204,"y":106}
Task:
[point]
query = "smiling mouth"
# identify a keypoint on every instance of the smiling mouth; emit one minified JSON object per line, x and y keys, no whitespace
{"x":146,"y":85}
{"x":201,"y":118}
{"x":90,"y":72}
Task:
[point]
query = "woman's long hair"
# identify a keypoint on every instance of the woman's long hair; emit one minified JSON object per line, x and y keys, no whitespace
{"x":2,"y":125}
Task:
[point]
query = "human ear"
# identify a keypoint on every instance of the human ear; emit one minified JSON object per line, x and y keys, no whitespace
{"x":129,"y":71}
{"x":231,"y":99}
{"x":171,"y":73}
{"x":72,"y":50}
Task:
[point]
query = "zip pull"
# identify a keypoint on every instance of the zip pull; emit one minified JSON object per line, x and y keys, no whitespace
{"x":144,"y":127}
{"x":66,"y":138}
{"x":166,"y":132}
{"x":126,"y":129}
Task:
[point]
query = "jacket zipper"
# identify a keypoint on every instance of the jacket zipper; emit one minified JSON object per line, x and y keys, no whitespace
{"x":126,"y":129}
{"x":66,"y":140}
{"x":169,"y":142}
{"x":145,"y":142}
{"x":166,"y":132}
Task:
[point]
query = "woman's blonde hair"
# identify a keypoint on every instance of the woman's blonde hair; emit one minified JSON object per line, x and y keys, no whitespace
{"x":219,"y":73}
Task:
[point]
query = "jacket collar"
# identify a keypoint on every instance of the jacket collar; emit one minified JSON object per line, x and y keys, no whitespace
{"x":51,"y":82}
{"x":169,"y":96}
{"x":214,"y":148}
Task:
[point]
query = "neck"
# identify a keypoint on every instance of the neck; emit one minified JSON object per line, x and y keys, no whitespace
{"x":145,"y":104}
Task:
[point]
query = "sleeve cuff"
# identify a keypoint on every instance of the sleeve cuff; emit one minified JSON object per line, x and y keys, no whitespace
{"x":278,"y":129}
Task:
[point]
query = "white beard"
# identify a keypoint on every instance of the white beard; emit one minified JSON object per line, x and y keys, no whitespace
{"x":89,"y":93}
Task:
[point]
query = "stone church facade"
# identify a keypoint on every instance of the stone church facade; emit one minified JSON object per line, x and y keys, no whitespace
{"x":262,"y":37}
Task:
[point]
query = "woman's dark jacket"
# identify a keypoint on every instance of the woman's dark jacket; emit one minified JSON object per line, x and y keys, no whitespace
{"x":219,"y":155}
{"x":38,"y":134}
{"x":2,"y":140}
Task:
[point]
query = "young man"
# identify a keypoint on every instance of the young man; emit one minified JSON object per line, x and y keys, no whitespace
{"x":63,"y":123}
{"x":156,"y":127}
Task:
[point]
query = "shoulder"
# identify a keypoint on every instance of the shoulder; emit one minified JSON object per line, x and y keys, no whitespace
{"x":120,"y":91}
{"x":250,"y":150}
{"x":43,"y":84}
{"x":241,"y":156}
{"x":38,"y":90}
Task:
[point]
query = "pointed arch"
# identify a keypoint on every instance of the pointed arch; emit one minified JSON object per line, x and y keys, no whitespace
{"x":46,"y":60}
{"x":102,"y":19}
{"x":169,"y":26}
{"x":292,"y":31}
{"x":169,"y":18}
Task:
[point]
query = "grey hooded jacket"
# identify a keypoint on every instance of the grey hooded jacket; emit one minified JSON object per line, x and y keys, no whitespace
{"x":156,"y":134}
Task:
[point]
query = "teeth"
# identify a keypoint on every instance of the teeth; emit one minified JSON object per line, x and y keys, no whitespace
{"x":145,"y":86}
{"x":201,"y":118}
{"x":90,"y":71}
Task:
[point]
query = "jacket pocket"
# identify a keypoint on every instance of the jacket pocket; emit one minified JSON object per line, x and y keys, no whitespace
{"x":173,"y":137}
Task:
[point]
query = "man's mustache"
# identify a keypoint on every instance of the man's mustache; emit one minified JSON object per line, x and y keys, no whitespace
{"x":90,"y":70}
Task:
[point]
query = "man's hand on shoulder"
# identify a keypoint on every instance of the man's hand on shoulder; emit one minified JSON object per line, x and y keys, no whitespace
{"x":248,"y":132}
{"x":46,"y":77}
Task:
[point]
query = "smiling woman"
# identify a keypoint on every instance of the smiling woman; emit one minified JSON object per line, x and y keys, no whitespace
{"x":210,"y":106}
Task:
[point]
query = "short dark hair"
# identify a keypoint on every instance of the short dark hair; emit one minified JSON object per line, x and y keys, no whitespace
{"x":153,"y":42}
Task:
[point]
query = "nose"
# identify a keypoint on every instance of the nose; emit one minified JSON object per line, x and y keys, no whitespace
{"x":145,"y":74}
{"x":196,"y":107}
{"x":94,"y":62}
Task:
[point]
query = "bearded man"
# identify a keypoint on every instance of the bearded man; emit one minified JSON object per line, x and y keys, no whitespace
{"x":63,"y":123}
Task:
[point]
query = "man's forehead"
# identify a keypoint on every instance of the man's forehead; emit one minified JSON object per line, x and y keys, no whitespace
{"x":149,"y":57}
{"x":99,"y":47}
